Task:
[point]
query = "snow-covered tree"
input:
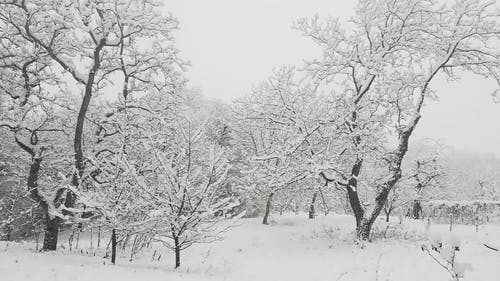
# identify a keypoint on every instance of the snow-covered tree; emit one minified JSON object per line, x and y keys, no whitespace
{"x":19,"y":219}
{"x":115,"y":199}
{"x":381,"y":71}
{"x":275,"y":127}
{"x":31,"y":119}
{"x":88,"y":46}
{"x":473,"y":176}
{"x":423,"y":175}
{"x":185,"y":184}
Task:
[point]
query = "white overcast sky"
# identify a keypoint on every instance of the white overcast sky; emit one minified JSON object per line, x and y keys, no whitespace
{"x":234,"y":44}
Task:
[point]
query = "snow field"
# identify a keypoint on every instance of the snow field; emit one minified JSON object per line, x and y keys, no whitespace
{"x":291,"y":248}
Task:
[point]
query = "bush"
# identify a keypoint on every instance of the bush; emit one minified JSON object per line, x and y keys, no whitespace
{"x":464,"y":212}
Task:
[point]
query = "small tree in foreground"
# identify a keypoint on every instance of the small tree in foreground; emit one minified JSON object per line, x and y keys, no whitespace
{"x":184,"y":187}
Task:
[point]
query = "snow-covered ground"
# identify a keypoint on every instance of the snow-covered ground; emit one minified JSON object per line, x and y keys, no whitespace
{"x":292,"y":248}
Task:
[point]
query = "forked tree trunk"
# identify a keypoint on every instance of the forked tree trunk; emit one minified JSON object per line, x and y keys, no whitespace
{"x":312,"y":212}
{"x":268,"y":208}
{"x":388,"y":212}
{"x":177,"y":250}
{"x":363,"y":223}
{"x":113,"y":246}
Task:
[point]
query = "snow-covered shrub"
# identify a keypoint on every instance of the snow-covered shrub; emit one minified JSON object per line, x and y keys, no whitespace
{"x":444,"y":251}
{"x":464,"y":212}
{"x":396,"y":232}
{"x":335,"y":234}
{"x":287,"y":222}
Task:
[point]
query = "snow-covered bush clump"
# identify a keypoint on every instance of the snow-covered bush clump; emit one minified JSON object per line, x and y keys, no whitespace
{"x":382,"y":230}
{"x":444,"y":253}
{"x":464,"y":212}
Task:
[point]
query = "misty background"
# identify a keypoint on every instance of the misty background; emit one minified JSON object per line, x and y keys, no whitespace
{"x":233,"y":45}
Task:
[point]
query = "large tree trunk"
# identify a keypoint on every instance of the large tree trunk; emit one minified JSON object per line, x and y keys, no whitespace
{"x":177,"y":250}
{"x":268,"y":208}
{"x":363,"y":230}
{"x":51,"y":233}
{"x":52,"y":224}
{"x":312,"y":212}
{"x":113,"y":246}
{"x":363,"y":223}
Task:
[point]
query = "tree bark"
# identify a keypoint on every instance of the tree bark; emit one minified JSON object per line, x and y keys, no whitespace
{"x":268,"y":208}
{"x":416,"y":212}
{"x":177,"y":250}
{"x":363,"y":229}
{"x":113,"y":246}
{"x":353,"y":197}
{"x":312,"y":212}
{"x":82,"y":113}
{"x":52,"y":225}
{"x":363,"y":225}
{"x":51,"y":233}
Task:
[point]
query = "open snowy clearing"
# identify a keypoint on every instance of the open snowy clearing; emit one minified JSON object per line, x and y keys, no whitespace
{"x":294,"y":248}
